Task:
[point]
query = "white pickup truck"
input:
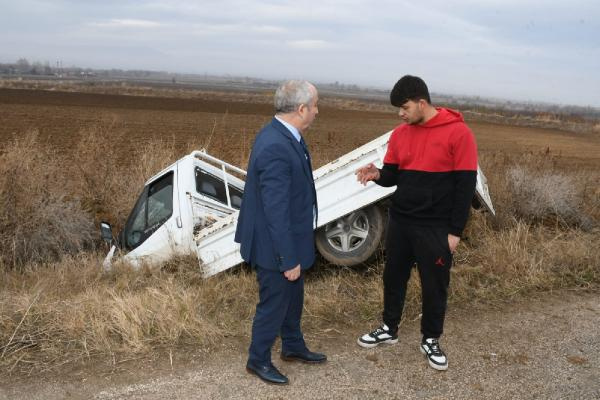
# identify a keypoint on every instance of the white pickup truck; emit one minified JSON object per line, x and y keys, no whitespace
{"x":191,"y":207}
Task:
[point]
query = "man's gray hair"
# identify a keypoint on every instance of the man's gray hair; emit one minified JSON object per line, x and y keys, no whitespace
{"x":291,"y":94}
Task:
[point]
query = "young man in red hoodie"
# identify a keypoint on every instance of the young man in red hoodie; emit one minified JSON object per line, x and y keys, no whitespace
{"x":432,"y":160}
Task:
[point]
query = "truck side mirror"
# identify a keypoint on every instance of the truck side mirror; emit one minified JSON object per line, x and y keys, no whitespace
{"x":106,"y":232}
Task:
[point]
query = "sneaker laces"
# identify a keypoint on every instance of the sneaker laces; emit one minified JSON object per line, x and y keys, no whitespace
{"x":435,"y":347}
{"x":378,"y":331}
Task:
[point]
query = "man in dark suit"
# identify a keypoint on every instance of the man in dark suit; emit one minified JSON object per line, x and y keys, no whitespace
{"x":276,"y":229}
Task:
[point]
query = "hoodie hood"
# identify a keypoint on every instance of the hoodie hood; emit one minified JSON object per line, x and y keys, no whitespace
{"x":443,"y":117}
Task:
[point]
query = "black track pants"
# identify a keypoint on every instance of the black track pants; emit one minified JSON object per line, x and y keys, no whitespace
{"x":428,"y":248}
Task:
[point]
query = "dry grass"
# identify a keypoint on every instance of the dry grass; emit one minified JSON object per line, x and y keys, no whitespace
{"x":60,"y":306}
{"x":70,"y":310}
{"x":495,"y":265}
{"x":108,"y":185}
{"x":39,"y":220}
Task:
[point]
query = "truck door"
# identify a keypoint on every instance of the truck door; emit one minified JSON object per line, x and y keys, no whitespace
{"x":151,"y":228}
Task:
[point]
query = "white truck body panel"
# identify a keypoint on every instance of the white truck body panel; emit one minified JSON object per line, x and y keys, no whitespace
{"x":216,"y":249}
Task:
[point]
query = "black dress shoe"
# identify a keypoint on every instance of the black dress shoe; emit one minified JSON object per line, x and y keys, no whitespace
{"x":267,"y":373}
{"x":304,"y":356}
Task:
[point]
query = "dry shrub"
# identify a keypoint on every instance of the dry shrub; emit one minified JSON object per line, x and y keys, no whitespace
{"x":39,"y":219}
{"x":542,"y":194}
{"x":537,"y":188}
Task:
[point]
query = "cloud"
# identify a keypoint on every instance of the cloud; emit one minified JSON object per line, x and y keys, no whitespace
{"x":127,"y":23}
{"x":491,"y":47}
{"x":269,"y":29}
{"x":309,"y":44}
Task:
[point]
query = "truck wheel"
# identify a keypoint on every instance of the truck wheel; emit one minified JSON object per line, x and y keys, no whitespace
{"x":352,"y":239}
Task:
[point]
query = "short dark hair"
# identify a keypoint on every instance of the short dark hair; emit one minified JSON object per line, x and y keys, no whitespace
{"x":409,"y":88}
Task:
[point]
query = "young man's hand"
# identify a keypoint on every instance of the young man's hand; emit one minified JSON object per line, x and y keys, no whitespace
{"x":367,"y":173}
{"x":453,"y":242}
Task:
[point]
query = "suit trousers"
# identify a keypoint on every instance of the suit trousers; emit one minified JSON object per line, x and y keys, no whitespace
{"x":278,"y":312}
{"x":428,"y":248}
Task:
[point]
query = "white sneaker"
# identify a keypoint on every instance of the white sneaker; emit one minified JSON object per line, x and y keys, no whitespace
{"x":383,"y":334}
{"x":436,"y":357}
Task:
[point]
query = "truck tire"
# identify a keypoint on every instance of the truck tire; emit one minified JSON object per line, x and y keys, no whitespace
{"x":352,"y":239}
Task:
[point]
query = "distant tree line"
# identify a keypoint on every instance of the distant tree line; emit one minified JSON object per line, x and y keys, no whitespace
{"x":22,"y":67}
{"x":512,"y":107}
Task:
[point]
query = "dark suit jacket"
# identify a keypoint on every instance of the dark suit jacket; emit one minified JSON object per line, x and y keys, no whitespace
{"x":275,"y":224}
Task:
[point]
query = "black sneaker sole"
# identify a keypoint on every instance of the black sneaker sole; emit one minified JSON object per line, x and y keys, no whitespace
{"x":371,"y":345}
{"x":433,"y":365}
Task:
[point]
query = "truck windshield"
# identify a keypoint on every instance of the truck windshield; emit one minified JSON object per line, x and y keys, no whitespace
{"x":152,"y":209}
{"x":213,"y":187}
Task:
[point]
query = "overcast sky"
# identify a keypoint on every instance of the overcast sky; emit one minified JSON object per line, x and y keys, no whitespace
{"x":536,"y":50}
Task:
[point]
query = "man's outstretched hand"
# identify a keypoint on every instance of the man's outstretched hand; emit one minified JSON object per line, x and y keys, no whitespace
{"x":367,"y":173}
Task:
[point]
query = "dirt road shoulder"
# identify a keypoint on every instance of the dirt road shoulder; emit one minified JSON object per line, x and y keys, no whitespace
{"x":542,"y":348}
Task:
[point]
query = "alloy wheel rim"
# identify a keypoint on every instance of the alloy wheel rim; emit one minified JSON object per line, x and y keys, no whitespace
{"x":348,"y":233}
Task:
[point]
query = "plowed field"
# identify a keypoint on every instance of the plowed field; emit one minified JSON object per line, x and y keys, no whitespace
{"x":227,"y":127}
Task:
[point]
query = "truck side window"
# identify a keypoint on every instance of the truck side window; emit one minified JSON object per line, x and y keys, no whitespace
{"x":213,"y":187}
{"x":153,"y":208}
{"x":160,"y":201}
{"x":235,"y":195}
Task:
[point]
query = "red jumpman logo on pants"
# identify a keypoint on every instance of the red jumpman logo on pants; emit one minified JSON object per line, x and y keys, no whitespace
{"x":440,"y":262}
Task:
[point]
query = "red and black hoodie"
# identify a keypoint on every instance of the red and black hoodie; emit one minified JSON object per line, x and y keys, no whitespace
{"x":434,"y":167}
